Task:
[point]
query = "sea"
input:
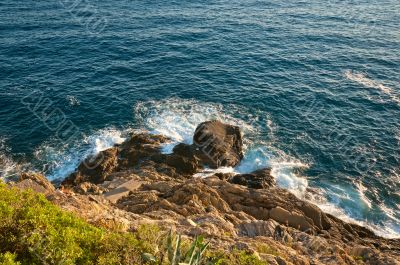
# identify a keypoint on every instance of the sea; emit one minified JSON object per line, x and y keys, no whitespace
{"x":314,"y":86}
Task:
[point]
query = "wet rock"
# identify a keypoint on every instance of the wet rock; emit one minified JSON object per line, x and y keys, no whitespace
{"x":218,"y":144}
{"x":259,"y":179}
{"x":141,"y":147}
{"x":94,"y":169}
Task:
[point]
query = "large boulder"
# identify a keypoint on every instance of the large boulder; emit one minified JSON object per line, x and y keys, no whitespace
{"x":218,"y":144}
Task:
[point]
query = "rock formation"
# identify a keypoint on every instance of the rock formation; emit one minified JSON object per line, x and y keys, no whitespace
{"x":218,"y":144}
{"x":135,"y":183}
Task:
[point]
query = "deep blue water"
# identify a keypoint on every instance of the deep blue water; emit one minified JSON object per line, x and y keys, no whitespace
{"x":314,"y":85}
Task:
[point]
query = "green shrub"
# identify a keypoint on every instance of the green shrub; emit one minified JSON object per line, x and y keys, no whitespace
{"x":8,"y":259}
{"x":235,"y":257}
{"x":38,"y":232}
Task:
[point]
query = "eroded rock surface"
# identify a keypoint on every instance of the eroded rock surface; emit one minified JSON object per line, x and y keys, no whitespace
{"x":135,"y":183}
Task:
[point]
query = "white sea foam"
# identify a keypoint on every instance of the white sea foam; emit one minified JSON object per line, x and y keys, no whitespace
{"x":61,"y":159}
{"x":389,"y":229}
{"x":368,"y":82}
{"x":208,"y":172}
{"x":7,"y":165}
{"x":285,"y":177}
{"x":178,"y":119}
{"x":73,"y":101}
{"x":361,"y":191}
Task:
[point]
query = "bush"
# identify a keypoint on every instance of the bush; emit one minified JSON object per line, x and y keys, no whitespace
{"x":235,"y":257}
{"x":8,"y":259}
{"x":38,"y":232}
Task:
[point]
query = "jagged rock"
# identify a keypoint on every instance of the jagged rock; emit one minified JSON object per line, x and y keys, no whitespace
{"x":94,"y":169}
{"x":257,"y":228}
{"x":228,"y":208}
{"x":141,"y":147}
{"x":36,"y":181}
{"x":184,"y":150}
{"x":88,"y":187}
{"x":259,"y":179}
{"x":314,"y":213}
{"x":218,"y":144}
{"x":183,"y":165}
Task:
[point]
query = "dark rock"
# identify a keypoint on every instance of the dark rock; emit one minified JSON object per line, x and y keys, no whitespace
{"x":94,"y":170}
{"x":182,"y":164}
{"x":218,"y":144}
{"x":140,"y":147}
{"x":183,"y":150}
{"x":259,"y":179}
{"x":183,"y":159}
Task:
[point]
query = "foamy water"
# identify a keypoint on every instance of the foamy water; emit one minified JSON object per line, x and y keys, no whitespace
{"x":364,"y":80}
{"x":61,"y":159}
{"x":7,"y":165}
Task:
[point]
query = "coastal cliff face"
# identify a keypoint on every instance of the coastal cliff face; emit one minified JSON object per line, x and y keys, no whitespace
{"x":135,"y":183}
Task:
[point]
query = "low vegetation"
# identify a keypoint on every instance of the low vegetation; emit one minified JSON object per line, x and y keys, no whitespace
{"x":34,"y":231}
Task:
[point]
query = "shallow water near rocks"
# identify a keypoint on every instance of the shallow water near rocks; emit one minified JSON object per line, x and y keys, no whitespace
{"x":314,"y":87}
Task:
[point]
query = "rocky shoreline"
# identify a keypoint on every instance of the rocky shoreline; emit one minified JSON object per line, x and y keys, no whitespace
{"x":135,"y":183}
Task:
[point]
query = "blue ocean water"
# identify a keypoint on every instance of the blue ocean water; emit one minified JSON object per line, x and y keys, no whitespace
{"x":314,"y":85}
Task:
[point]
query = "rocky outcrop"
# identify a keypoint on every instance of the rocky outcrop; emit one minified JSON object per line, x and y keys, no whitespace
{"x":135,"y":183}
{"x":94,"y":169}
{"x":218,"y":144}
{"x":36,"y":182}
{"x":259,"y":179}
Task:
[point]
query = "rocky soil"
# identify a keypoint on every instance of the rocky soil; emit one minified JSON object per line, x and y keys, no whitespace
{"x":135,"y":183}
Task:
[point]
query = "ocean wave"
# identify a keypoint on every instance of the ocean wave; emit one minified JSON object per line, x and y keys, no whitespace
{"x":59,"y":159}
{"x":387,"y":229}
{"x":178,"y":119}
{"x":368,"y":82}
{"x":7,"y":166}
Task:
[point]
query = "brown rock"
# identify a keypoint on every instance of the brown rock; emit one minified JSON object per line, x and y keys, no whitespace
{"x":260,"y":179}
{"x":257,"y":228}
{"x":183,"y":165}
{"x":218,"y":144}
{"x":140,"y":147}
{"x":94,"y":169}
{"x":123,"y":190}
{"x":314,"y":213}
{"x":39,"y":179}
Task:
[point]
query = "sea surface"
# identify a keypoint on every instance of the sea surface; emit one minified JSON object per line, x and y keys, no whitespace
{"x":314,"y":85}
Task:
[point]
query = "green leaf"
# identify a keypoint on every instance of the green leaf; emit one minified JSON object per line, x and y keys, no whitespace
{"x":148,"y":257}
